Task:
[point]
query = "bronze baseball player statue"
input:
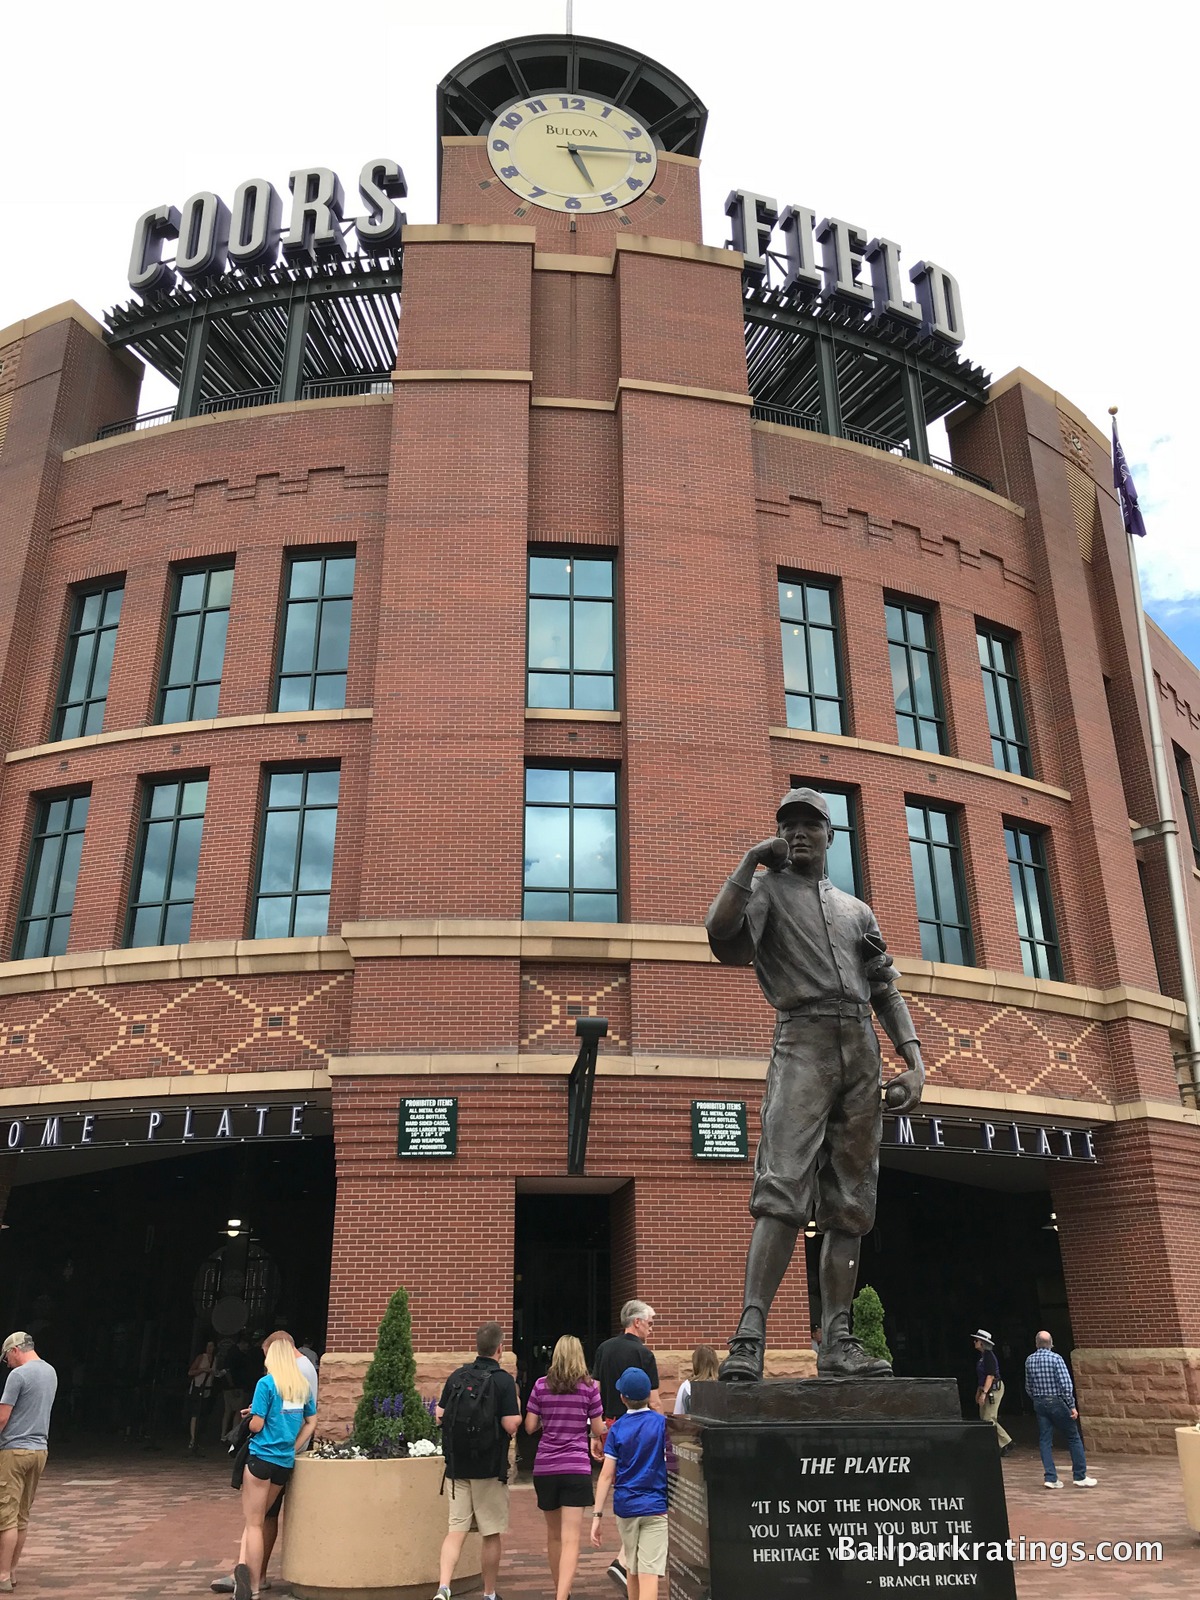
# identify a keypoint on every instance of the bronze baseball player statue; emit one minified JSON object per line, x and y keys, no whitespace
{"x":823,"y":965}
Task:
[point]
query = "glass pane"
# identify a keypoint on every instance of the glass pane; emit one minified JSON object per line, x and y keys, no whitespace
{"x":78,"y":811}
{"x":271,"y":918}
{"x":41,"y":893}
{"x":187,"y":860}
{"x":304,"y":579}
{"x":56,"y":944}
{"x":548,"y":907}
{"x":915,"y":816}
{"x":220,"y":586}
{"x":595,"y":788}
{"x":838,"y":864}
{"x":795,"y":658}
{"x":799,"y":711}
{"x":1037,"y":910}
{"x":939,"y":825}
{"x":906,"y":732}
{"x":901,"y":688}
{"x":178,"y":926}
{"x":549,"y":691}
{"x":1014,"y":873}
{"x":339,"y":575}
{"x":918,"y":632}
{"x":993,"y":709}
{"x":819,"y":603}
{"x":285,"y":788}
{"x":31,"y":942}
{"x":329,"y":691}
{"x":895,"y":623}
{"x":333,"y":652}
{"x":323,"y":787}
{"x":299,"y":639}
{"x":824,"y":662}
{"x":931,"y":944}
{"x":947,"y":889}
{"x":595,"y":850}
{"x":594,"y":694}
{"x":81,"y":666}
{"x":548,"y":784}
{"x":595,"y":908}
{"x":93,"y":717}
{"x":593,"y":577}
{"x":212,"y":650}
{"x":64,"y":898}
{"x":922,"y":882}
{"x":549,"y":575}
{"x":312,"y":915}
{"x":593,"y":636}
{"x":71,"y":723}
{"x":176,"y":707}
{"x":955,"y":949}
{"x":839,"y":807}
{"x":294,"y":694}
{"x":112,"y":606}
{"x":89,"y":611}
{"x":164,"y":798}
{"x":205,"y":701}
{"x":191,"y":591}
{"x":985,"y":654}
{"x":316,"y":850}
{"x":55,"y":819}
{"x":922,"y":685}
{"x":929,"y":735}
{"x":791,"y":604}
{"x":105,"y":646}
{"x":182,"y":663}
{"x":279,"y":851}
{"x":153,"y":880}
{"x":549,"y":633}
{"x":547,"y":845}
{"x":145,"y":926}
{"x":829,"y":716}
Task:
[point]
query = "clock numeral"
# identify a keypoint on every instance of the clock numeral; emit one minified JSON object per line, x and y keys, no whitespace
{"x":642,"y":157}
{"x":634,"y":133}
{"x":606,"y":111}
{"x":572,"y":103}
{"x":535,"y":192}
{"x":534,"y":106}
{"x":635,"y":183}
{"x":610,"y":199}
{"x":514,"y":119}
{"x":572,"y":204}
{"x":499,"y":144}
{"x":510,"y":172}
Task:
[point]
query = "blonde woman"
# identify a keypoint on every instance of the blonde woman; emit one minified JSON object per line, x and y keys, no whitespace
{"x":565,"y":1405}
{"x":705,"y":1364}
{"x":282,"y":1419}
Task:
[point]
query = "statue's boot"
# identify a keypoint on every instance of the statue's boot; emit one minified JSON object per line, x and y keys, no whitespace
{"x":842,"y":1356}
{"x":744,"y":1363}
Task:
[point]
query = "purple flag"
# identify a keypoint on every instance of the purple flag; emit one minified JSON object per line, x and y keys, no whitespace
{"x":1126,"y":489}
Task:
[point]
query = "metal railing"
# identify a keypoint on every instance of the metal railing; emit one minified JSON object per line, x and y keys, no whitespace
{"x":878,"y":441}
{"x":242,"y":400}
{"x":247,"y":399}
{"x":336,"y":388}
{"x":786,"y":418}
{"x":148,"y":419}
{"x":960,"y":472}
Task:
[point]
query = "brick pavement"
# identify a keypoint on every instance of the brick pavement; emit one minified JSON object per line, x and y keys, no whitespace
{"x":148,"y":1526}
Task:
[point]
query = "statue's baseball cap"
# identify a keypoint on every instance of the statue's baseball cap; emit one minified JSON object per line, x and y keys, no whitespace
{"x":11,"y":1343}
{"x":634,"y":1384}
{"x":795,"y":798}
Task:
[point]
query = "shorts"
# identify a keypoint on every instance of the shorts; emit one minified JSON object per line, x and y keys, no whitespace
{"x":822,"y":1120}
{"x":269,"y":1471}
{"x":555,"y":1490}
{"x":479,"y":1503}
{"x":20,"y":1471}
{"x":644,"y":1544}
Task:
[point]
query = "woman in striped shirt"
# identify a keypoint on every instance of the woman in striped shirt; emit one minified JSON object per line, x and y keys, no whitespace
{"x":565,"y":1405}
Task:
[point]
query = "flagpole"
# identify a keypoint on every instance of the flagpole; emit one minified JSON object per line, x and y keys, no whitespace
{"x":1168,"y":826}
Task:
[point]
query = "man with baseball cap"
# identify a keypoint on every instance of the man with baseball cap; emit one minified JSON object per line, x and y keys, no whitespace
{"x":25,"y":1407}
{"x":822,"y":963}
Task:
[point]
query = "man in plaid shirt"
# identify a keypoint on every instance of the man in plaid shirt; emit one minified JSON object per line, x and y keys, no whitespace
{"x":1048,"y":1385}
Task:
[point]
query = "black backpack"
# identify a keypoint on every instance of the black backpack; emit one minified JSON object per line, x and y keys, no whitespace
{"x":470,"y":1426}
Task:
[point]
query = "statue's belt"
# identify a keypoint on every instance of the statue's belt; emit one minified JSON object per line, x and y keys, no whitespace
{"x":858,"y":1010}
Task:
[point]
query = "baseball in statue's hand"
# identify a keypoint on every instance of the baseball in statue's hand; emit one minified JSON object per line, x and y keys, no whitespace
{"x":895,"y":1095}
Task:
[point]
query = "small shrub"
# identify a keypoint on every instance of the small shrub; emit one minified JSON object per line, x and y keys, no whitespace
{"x":391,"y":1415}
{"x":868,"y":1324}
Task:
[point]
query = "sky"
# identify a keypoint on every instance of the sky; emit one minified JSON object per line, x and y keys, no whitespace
{"x":1034,"y":149}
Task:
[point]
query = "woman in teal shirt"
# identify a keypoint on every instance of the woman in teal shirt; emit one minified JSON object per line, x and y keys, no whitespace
{"x":282,"y":1419}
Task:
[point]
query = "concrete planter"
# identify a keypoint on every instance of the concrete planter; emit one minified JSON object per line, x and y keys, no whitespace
{"x":369,"y":1530}
{"x":1188,"y":1442}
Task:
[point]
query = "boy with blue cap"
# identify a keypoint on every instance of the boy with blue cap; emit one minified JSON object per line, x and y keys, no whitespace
{"x":635,"y":1455}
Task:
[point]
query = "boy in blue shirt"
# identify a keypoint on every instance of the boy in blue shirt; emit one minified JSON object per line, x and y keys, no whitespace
{"x":635,"y":1454}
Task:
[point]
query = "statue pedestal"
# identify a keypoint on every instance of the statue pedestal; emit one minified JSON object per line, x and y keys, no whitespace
{"x":834,"y":1487}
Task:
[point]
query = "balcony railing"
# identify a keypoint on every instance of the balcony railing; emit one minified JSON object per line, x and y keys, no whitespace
{"x":247,"y":399}
{"x":878,"y":441}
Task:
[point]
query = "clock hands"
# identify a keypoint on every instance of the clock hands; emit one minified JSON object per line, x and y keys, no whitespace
{"x":599,"y":149}
{"x":578,"y":160}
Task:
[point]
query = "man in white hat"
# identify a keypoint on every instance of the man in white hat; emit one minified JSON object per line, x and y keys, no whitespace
{"x":24,"y":1429}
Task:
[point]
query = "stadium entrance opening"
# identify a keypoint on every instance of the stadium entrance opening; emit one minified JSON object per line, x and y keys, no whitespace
{"x":125,"y":1264}
{"x":947,"y":1257}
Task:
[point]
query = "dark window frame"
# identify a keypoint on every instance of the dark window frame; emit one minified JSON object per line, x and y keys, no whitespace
{"x":283,"y":769}
{"x":1186,"y":777}
{"x":1014,"y":742}
{"x":167,"y":903}
{"x":832,"y":588}
{"x":572,"y":554}
{"x":853,"y":798}
{"x":75,"y":633}
{"x":324,"y":554}
{"x":953,"y":844}
{"x":573,"y":767}
{"x":1034,"y":869}
{"x":193,"y":684}
{"x":930,"y":650}
{"x":38,"y":836}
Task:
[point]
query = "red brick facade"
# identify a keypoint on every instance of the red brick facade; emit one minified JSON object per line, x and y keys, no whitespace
{"x":587,"y":386}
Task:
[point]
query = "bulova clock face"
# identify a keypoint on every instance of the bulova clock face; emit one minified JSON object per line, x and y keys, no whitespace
{"x":567,"y":152}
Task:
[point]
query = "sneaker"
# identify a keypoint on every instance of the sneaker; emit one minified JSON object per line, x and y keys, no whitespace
{"x":1053,"y":1483}
{"x":241,"y":1582}
{"x":443,"y":1593}
{"x":1004,"y":1449}
{"x":221,"y":1586}
{"x":1084,"y":1483}
{"x":618,"y":1575}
